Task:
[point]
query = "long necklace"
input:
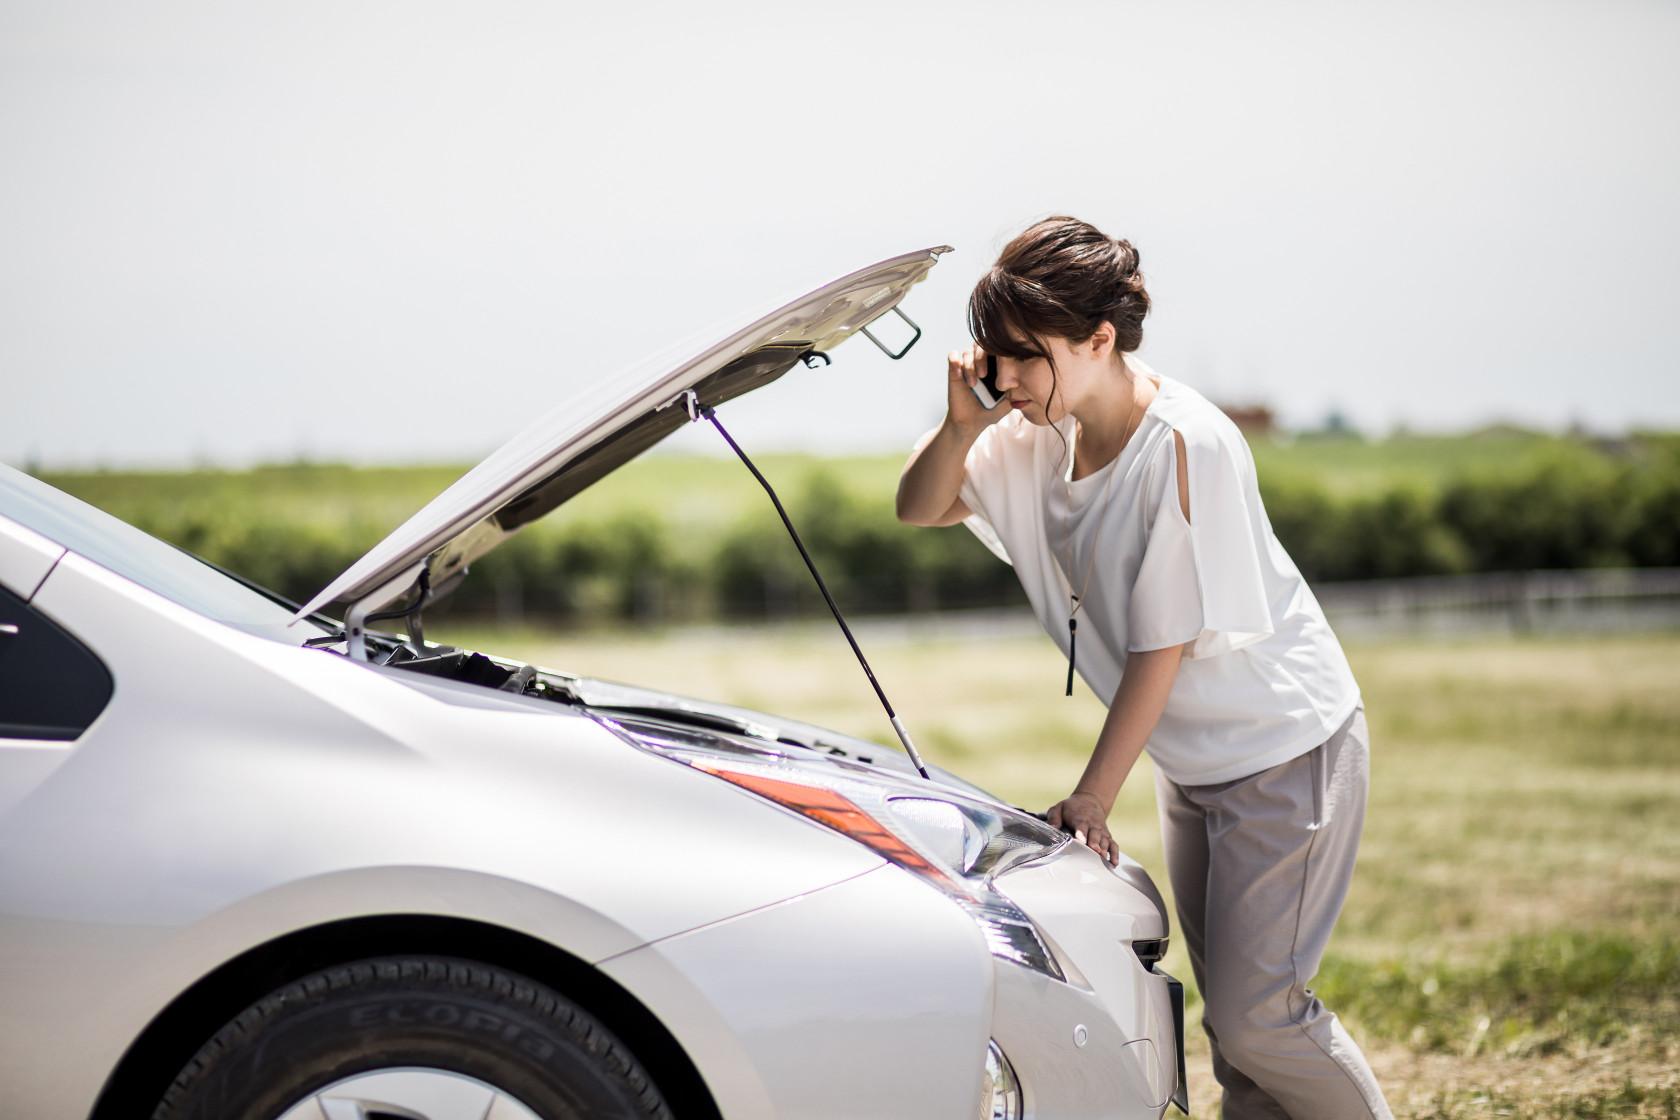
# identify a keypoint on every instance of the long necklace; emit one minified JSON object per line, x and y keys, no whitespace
{"x":1078,"y":601}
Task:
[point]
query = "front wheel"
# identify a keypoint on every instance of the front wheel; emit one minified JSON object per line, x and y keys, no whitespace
{"x":413,"y":1038}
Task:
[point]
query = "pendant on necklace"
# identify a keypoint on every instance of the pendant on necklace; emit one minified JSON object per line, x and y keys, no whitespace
{"x":1073,"y":642}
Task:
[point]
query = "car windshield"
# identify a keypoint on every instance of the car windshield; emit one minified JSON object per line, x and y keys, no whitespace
{"x":113,"y":543}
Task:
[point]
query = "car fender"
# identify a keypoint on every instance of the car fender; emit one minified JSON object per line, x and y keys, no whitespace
{"x":808,"y":1007}
{"x":234,"y":789}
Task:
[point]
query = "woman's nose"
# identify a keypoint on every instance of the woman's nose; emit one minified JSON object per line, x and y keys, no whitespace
{"x":1006,"y":375}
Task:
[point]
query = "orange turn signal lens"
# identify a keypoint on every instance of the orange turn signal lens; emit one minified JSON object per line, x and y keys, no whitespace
{"x":835,"y":810}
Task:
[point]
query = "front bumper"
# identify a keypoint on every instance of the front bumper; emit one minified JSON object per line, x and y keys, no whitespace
{"x":877,"y":997}
{"x":1108,"y":1041}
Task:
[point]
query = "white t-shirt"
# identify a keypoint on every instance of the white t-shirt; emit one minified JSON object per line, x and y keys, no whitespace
{"x":1266,"y":680}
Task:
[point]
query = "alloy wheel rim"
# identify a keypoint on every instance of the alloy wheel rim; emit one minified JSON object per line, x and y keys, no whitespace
{"x":409,"y":1093}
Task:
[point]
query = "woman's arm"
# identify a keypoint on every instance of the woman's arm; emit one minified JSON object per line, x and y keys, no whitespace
{"x":1138,"y":703}
{"x":932,"y":480}
{"x":1137,"y":707}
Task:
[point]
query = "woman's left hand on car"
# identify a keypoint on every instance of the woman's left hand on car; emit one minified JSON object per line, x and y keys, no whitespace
{"x":1144,"y":686}
{"x":1083,"y":815}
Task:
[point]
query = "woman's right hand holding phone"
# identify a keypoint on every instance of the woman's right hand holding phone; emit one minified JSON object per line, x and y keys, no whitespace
{"x":929,"y":490}
{"x":962,"y":408}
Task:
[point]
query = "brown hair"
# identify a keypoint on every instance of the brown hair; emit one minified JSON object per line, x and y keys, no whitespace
{"x":1059,"y":278}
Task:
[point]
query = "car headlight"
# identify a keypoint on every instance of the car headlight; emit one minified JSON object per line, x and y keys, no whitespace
{"x":955,"y":841}
{"x":973,"y":839}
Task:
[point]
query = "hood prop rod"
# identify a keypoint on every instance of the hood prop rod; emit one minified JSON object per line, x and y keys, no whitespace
{"x":411,"y":613}
{"x":698,"y":411}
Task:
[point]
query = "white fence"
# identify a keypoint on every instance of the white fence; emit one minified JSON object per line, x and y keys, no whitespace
{"x":1517,"y":602}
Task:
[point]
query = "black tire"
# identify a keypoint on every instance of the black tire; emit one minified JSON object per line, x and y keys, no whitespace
{"x":509,"y":1032}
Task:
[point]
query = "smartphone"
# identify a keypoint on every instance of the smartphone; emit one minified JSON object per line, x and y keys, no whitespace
{"x":986,"y":388}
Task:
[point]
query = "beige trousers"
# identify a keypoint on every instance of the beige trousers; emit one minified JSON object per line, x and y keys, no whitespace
{"x":1260,"y":867}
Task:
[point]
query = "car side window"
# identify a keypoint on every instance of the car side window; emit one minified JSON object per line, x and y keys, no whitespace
{"x":51,"y":685}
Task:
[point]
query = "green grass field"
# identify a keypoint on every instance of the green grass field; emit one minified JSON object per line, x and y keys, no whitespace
{"x":697,"y":493}
{"x":1511,"y":946}
{"x":1348,"y":467}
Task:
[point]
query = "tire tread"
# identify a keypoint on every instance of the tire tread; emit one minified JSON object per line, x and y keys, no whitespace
{"x":429,"y":972}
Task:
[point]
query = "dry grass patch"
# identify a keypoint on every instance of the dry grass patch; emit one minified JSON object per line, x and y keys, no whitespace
{"x":1521,"y":860}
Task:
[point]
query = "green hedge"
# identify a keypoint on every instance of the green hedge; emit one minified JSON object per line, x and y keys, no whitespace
{"x":628,"y":550}
{"x":636,"y":565}
{"x":1569,"y":506}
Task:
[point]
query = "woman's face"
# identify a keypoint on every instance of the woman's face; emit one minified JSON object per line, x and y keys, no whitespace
{"x":1041,"y":394}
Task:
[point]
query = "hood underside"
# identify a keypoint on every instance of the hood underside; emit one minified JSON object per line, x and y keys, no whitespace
{"x":585,"y":439}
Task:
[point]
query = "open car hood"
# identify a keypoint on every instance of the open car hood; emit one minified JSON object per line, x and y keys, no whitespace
{"x":586,"y":438}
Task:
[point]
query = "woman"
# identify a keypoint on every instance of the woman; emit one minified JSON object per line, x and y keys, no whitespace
{"x":1129,"y":507}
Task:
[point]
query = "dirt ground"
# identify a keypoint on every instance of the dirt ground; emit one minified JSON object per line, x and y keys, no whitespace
{"x":1592,"y":1082}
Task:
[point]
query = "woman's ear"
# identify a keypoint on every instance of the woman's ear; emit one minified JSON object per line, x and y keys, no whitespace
{"x":1101,"y":341}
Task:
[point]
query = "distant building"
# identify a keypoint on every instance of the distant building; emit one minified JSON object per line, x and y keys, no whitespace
{"x":1252,"y":419}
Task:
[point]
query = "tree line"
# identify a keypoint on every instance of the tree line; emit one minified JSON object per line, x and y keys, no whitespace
{"x":1572,"y":507}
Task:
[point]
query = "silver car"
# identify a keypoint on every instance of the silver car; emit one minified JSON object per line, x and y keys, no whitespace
{"x":259,"y":864}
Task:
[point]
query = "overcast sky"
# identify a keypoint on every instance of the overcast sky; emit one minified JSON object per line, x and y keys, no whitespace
{"x":392,"y":232}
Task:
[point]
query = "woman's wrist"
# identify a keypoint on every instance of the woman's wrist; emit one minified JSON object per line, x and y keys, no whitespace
{"x":1103,"y":805}
{"x":963,"y":433}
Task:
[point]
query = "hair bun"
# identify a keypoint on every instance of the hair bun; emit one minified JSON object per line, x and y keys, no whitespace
{"x":1059,"y":277}
{"x":1128,"y":257}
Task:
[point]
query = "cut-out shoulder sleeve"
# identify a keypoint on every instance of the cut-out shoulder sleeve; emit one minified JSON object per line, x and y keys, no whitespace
{"x":1166,"y":603}
{"x":1201,"y":580}
{"x":1183,"y":475}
